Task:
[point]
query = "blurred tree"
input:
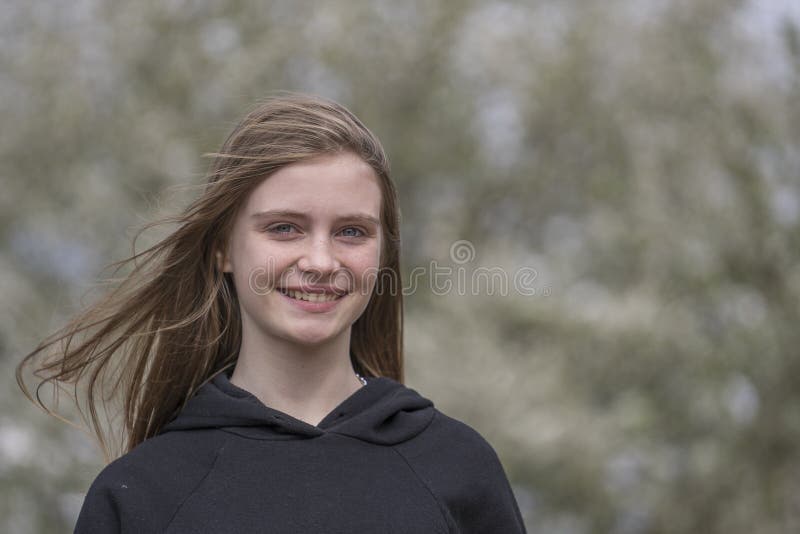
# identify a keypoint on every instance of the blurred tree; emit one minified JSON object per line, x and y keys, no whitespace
{"x":639,"y":157}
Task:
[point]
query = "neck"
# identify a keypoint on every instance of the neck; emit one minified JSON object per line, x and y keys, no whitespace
{"x":304,"y":381}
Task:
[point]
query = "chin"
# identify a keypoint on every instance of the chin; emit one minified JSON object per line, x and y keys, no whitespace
{"x":311,"y":339}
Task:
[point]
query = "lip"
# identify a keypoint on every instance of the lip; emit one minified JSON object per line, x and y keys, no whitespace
{"x":314,"y":307}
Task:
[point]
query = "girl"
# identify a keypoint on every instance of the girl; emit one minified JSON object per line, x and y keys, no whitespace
{"x":257,"y":352}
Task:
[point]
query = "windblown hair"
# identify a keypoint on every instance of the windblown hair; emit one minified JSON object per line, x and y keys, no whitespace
{"x":173,"y":322}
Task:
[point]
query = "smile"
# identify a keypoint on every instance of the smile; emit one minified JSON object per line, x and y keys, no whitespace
{"x":310,"y":297}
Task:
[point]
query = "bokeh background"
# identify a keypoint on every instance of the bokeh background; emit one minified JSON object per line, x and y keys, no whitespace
{"x":640,"y":157}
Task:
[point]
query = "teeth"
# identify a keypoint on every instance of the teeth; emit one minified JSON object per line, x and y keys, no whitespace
{"x":315,"y":297}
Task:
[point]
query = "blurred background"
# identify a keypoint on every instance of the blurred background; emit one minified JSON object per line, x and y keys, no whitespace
{"x":639,"y":159}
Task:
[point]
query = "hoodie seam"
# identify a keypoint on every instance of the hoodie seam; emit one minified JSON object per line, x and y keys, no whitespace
{"x":236,"y":435}
{"x":197,"y":486}
{"x":441,"y":506}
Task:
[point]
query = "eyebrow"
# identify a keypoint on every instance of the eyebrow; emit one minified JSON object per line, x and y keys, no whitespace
{"x":301,"y":215}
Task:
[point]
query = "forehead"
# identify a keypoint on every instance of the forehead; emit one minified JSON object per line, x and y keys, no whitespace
{"x":326,"y":184}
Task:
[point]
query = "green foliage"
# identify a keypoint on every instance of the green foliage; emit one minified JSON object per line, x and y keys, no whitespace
{"x":640,"y":156}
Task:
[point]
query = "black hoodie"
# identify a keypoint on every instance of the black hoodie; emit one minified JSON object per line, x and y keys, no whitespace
{"x":385,"y":460}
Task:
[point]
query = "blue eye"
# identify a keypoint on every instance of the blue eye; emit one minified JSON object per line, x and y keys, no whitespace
{"x":359,"y":234}
{"x":282,"y":228}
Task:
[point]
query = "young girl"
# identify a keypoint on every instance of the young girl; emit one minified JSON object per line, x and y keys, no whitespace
{"x":257,"y":352}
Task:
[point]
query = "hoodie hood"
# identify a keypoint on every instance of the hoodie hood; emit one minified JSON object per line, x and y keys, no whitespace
{"x":383,"y":411}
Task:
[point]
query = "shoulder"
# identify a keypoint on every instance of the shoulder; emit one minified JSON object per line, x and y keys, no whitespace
{"x":463,"y":471}
{"x":162,"y":459}
{"x":143,"y":488}
{"x":448,"y":436}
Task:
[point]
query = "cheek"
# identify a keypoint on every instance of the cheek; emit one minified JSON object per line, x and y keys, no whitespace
{"x":256,"y":265}
{"x":364,"y":260}
{"x":366,"y":270}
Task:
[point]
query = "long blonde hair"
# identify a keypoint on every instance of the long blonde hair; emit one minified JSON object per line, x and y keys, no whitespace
{"x":173,"y":322}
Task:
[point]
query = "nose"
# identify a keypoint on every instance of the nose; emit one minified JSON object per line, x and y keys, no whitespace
{"x":319,"y":259}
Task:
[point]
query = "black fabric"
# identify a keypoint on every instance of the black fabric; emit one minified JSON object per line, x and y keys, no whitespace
{"x":385,"y":460}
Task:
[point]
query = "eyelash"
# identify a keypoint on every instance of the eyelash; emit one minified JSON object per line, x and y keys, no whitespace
{"x":272,"y":229}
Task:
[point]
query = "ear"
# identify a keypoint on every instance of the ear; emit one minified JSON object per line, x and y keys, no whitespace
{"x":223,"y":264}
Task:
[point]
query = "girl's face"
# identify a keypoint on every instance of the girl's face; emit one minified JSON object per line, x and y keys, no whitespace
{"x":303,"y":247}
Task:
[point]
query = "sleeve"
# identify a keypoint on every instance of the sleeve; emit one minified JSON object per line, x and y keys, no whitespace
{"x":127,"y":497}
{"x":489,"y":505}
{"x":141,"y":491}
{"x":463,"y":471}
{"x":99,"y":513}
{"x":120,"y":501}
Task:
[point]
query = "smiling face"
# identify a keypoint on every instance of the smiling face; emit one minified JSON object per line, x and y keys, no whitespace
{"x":302,"y":248}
